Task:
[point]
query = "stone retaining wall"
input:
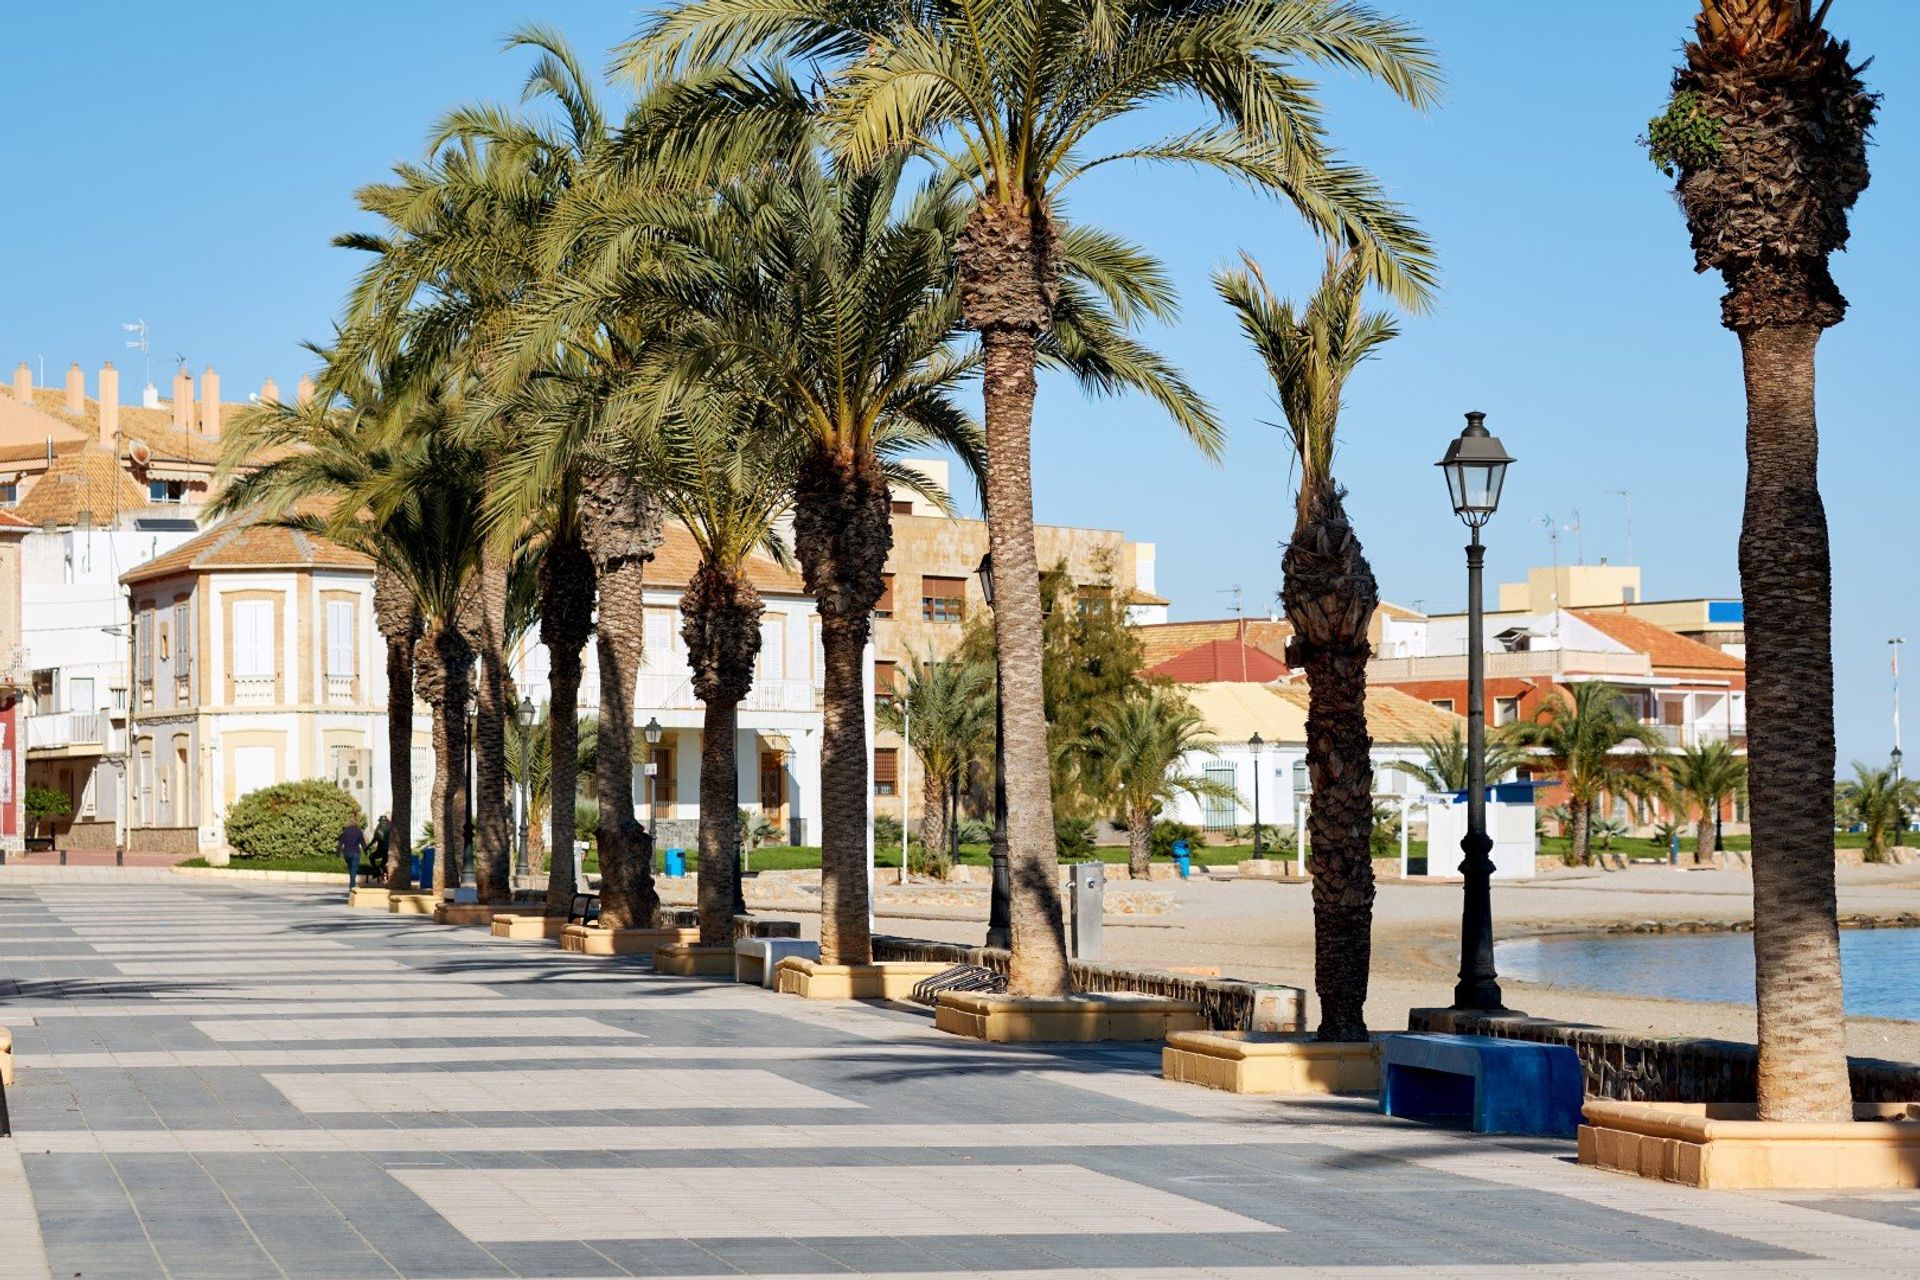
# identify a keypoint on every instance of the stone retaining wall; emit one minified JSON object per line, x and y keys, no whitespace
{"x":1229,"y":1004}
{"x":183,"y":841}
{"x":90,"y":837}
{"x":1627,"y":1067}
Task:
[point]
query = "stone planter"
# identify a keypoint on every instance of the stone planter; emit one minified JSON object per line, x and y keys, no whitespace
{"x":6,"y":1058}
{"x":592,"y":940}
{"x":887,"y":980}
{"x":464,"y":913}
{"x":412,"y":904}
{"x":1250,"y":1062}
{"x":1079,"y":1018}
{"x":368,"y":898}
{"x":690,"y":960}
{"x":1721,"y":1145}
{"x":754,"y":958}
{"x":527,"y":928}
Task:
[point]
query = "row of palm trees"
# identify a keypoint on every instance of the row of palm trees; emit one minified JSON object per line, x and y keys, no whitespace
{"x":730,"y":307}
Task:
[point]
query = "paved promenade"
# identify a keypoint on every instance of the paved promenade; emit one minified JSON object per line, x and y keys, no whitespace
{"x":227,"y":1082}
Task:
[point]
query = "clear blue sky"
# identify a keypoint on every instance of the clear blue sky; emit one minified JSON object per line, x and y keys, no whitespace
{"x":190,"y":166}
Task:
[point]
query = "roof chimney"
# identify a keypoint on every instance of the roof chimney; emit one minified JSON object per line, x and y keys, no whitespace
{"x":302,"y":393}
{"x":182,"y":399}
{"x":76,"y":389}
{"x":23,"y":383}
{"x":109,"y":405}
{"x":209,"y":402}
{"x":269,"y":391}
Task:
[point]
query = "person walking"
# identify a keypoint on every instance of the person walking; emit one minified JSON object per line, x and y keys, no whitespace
{"x":353,"y":842}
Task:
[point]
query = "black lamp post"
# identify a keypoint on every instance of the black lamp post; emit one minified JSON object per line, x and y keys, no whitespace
{"x":651,"y":731}
{"x":1476,"y":467}
{"x":1253,"y":745}
{"x":999,"y":917}
{"x":523,"y":715}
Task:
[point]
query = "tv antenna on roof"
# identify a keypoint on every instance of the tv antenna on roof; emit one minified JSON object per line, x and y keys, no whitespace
{"x":143,"y":346}
{"x":1234,"y":591}
{"x":1626,"y":496}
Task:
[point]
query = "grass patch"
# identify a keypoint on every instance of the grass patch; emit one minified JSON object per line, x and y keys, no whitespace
{"x":329,"y":863}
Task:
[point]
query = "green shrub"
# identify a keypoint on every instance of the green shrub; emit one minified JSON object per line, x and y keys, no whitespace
{"x":1165,"y":833}
{"x":291,"y":820}
{"x":1072,"y":839}
{"x":45,"y":802}
{"x":886,"y":831}
{"x":978,"y":831}
{"x":922,"y":863}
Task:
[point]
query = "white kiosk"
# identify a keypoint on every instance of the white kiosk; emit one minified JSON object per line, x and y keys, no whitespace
{"x":1509,"y":821}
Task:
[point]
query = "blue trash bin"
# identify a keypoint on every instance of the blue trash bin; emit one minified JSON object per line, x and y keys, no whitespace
{"x":423,"y":868}
{"x":1182,"y":858}
{"x":676,"y":863}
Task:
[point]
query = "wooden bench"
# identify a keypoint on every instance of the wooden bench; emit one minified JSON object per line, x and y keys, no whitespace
{"x":1498,"y":1086}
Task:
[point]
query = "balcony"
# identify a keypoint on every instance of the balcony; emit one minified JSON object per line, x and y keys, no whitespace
{"x":70,"y":733}
{"x":254,"y":691}
{"x":1696,"y":735}
{"x":660,"y":691}
{"x":340,"y":690}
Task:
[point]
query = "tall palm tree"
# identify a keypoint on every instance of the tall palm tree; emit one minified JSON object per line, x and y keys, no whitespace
{"x":1445,"y":765}
{"x":1699,"y":779}
{"x":1139,"y":747}
{"x":1330,"y":596}
{"x":945,"y":712}
{"x":1597,"y":747}
{"x":1878,"y":801}
{"x":397,"y":614}
{"x":1767,"y":130}
{"x":1006,"y":103}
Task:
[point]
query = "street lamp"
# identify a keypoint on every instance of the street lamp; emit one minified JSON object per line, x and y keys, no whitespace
{"x":651,"y":731}
{"x":1000,"y":913}
{"x":1254,"y":744}
{"x":1476,"y":468}
{"x":523,"y":715}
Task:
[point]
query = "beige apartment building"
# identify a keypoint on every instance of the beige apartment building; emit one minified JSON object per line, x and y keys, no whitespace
{"x":933,"y":589}
{"x":253,"y":662}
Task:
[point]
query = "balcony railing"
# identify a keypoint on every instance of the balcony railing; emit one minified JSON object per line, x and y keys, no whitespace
{"x":68,"y":729}
{"x":1694,"y":735}
{"x":254,"y":691}
{"x":664,"y":692}
{"x":340,"y":691}
{"x":1527,"y":663}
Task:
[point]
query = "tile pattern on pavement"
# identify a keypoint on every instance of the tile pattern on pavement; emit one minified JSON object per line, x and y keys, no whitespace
{"x":232,"y":1081}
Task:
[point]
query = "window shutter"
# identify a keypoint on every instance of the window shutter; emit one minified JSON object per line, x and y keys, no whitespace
{"x":253,"y":638}
{"x":340,"y":638}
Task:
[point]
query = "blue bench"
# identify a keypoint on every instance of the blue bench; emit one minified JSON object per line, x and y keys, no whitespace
{"x":1500,"y":1086}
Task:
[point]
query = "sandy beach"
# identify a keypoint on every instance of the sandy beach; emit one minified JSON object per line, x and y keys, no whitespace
{"x":1264,"y":931}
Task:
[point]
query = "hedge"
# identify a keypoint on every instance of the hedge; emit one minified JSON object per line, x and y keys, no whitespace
{"x":291,"y":820}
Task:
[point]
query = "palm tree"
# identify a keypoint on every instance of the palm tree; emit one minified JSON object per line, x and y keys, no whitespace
{"x":1699,"y":779}
{"x":1589,"y":739}
{"x":946,"y":714}
{"x":1140,"y":746}
{"x":397,"y":614}
{"x":1767,"y":130}
{"x":1006,"y":105}
{"x":530,"y":763}
{"x":1878,"y":801}
{"x":1445,"y":765}
{"x":1330,"y":596}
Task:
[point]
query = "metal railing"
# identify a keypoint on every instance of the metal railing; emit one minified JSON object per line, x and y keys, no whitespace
{"x":67,"y":729}
{"x":340,"y":691}
{"x":254,"y":691}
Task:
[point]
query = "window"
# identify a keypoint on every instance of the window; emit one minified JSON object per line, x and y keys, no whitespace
{"x":1445,"y":704}
{"x":9,"y":494}
{"x":886,"y":679}
{"x":658,"y":640}
{"x":902,"y":506}
{"x":253,"y":638}
{"x":143,"y":645}
{"x":773,"y":647}
{"x":1093,"y":600}
{"x":340,"y":638}
{"x":883,"y":607}
{"x":886,"y":771}
{"x":663,"y":780}
{"x":182,"y":640}
{"x":80,"y":694}
{"x":166,"y":643}
{"x":166,"y":490}
{"x":943,"y":599}
{"x":1222,"y":812}
{"x":1506,"y":710}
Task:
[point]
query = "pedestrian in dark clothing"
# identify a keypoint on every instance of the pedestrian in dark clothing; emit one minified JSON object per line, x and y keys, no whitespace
{"x":377,"y":849}
{"x":353,"y":842}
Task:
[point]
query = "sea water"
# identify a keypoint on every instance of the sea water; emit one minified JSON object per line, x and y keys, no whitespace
{"x":1881,"y":967}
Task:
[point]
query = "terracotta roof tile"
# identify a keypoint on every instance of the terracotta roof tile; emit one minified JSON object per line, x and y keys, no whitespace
{"x":137,"y":422}
{"x":679,"y":555}
{"x":10,"y":521}
{"x":1234,"y":712}
{"x":83,"y":482}
{"x":1663,"y":648}
{"x":244,"y":543}
{"x":1221,"y":660}
{"x":1164,"y":640}
{"x":1392,"y":715}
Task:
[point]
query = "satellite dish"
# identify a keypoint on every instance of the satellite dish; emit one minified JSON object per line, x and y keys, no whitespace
{"x":140,"y":453}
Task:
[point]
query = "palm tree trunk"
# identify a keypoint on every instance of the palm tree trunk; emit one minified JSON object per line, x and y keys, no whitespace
{"x":1580,"y":813}
{"x":933,"y":811}
{"x":444,"y":683}
{"x":1786,"y":578}
{"x":627,"y":895}
{"x":721,"y":612}
{"x":493,"y":823}
{"x":1007,"y":278}
{"x":1703,"y":834}
{"x":1140,"y":843}
{"x":566,"y":620}
{"x":398,"y":617}
{"x":842,"y":531}
{"x":1330,"y":597}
